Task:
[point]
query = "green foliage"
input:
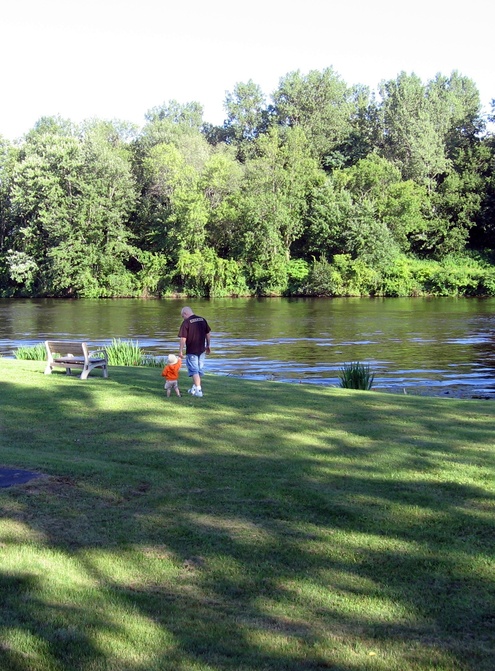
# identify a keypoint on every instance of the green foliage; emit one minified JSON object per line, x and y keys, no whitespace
{"x":71,"y":198}
{"x":188,"y":114}
{"x":356,"y":375}
{"x":22,"y":268}
{"x":205,"y":274}
{"x":321,"y":104}
{"x":343,"y":277}
{"x":453,"y":276}
{"x":323,"y":280}
{"x":297,"y":274}
{"x":326,"y":172}
{"x":245,"y":107}
{"x":414,"y":138}
{"x":128,"y":353}
{"x":35,"y":352}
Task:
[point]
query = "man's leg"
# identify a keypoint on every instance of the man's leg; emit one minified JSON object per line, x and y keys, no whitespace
{"x":201,"y":365}
{"x":195,"y":366}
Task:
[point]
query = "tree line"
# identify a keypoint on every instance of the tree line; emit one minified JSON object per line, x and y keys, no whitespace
{"x":326,"y":189}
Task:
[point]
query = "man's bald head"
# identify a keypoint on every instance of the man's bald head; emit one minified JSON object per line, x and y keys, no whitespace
{"x":186,"y":312}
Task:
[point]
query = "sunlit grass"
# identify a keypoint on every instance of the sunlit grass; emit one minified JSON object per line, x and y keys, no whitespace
{"x":264,"y":526}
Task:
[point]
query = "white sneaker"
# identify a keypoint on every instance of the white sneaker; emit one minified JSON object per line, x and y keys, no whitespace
{"x":198,"y":392}
{"x":192,"y":390}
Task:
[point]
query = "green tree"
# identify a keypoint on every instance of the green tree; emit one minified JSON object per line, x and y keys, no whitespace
{"x":366,"y":211}
{"x":321,"y":104}
{"x":8,"y":158}
{"x":455,"y":105}
{"x":275,"y":192}
{"x":220,"y":181}
{"x":71,"y":200}
{"x":401,"y":205}
{"x":246,"y":116}
{"x":181,"y":209}
{"x":413,"y":138}
{"x":272,"y":205}
{"x":186,"y":114}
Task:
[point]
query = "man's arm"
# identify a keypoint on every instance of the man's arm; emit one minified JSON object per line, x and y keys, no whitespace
{"x":182,"y":344}
{"x":207,"y":343}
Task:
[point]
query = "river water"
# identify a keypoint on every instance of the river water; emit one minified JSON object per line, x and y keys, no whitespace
{"x":416,"y":345}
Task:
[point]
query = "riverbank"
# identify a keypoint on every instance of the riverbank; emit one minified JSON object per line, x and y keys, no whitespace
{"x":264,"y":526}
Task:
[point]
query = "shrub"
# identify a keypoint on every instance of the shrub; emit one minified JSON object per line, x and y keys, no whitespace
{"x":297,"y":273}
{"x":323,"y":280}
{"x":356,"y":375}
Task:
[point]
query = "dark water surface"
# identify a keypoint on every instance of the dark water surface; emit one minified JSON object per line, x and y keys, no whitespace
{"x":439,"y":345}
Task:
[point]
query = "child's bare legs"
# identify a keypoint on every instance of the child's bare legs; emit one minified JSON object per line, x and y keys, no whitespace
{"x":177,"y":391}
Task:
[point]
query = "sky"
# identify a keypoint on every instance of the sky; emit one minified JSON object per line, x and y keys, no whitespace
{"x":116,"y":59}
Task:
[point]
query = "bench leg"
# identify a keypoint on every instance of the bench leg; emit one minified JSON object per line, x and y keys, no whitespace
{"x":48,"y":370}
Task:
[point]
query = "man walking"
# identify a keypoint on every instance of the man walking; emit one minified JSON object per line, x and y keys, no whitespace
{"x":194,"y":334}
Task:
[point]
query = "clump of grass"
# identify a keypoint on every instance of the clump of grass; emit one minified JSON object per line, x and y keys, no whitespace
{"x":129,"y":353}
{"x":356,"y":375}
{"x":124,"y":353}
{"x":31,"y":352}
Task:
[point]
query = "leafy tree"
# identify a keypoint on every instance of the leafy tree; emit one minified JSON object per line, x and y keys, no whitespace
{"x":52,"y":125}
{"x":365,"y":136}
{"x":456,"y":107}
{"x":322,"y":105}
{"x":402,"y":206}
{"x":8,"y":157}
{"x":330,"y":208}
{"x":71,"y":200}
{"x":165,"y":150}
{"x":220,"y":182}
{"x":189,"y":114}
{"x":181,"y":210}
{"x":246,"y":116}
{"x":274,"y":198}
{"x":366,"y":211}
{"x":482,"y":181}
{"x":44,"y":198}
{"x":413,"y":139}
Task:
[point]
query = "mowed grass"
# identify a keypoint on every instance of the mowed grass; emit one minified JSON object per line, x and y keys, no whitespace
{"x":264,"y":526}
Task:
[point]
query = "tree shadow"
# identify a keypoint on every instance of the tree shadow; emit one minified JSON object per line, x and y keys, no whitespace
{"x":271,"y":551}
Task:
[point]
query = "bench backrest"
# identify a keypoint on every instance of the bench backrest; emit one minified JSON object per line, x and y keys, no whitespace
{"x":65,"y":348}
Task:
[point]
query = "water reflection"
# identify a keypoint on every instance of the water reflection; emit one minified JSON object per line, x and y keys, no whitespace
{"x":411,"y":344}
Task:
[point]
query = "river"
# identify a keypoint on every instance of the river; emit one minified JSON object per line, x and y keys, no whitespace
{"x":413,"y":345}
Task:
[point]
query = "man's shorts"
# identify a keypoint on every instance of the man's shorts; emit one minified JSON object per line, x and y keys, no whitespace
{"x":195,"y":364}
{"x":171,"y":384}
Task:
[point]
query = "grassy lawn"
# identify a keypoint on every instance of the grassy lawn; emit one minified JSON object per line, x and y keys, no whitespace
{"x":265,"y":526}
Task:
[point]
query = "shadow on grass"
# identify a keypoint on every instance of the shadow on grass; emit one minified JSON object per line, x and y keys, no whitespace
{"x":236,"y":534}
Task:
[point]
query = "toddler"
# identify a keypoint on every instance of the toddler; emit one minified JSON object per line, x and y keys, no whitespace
{"x":171,"y":374}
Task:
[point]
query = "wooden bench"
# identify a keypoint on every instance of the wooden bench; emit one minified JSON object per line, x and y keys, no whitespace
{"x":70,"y":355}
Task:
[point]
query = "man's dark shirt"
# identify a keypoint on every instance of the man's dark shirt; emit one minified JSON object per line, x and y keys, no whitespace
{"x":194,"y":330}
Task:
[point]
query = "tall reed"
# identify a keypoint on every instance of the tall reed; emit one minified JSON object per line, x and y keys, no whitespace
{"x":129,"y":353}
{"x":35,"y":352}
{"x":356,"y":375}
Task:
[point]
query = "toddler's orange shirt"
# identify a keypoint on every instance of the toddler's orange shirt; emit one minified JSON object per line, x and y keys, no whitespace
{"x":171,"y":370}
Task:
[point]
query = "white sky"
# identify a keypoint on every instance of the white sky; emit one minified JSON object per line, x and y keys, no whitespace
{"x":115,"y":59}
